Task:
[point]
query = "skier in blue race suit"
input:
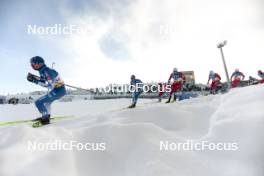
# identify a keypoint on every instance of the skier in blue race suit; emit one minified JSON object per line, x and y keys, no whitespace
{"x":49,"y":78}
{"x":136,"y":93}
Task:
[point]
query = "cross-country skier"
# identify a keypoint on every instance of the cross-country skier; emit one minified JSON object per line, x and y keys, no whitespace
{"x":178,"y":81}
{"x":49,"y":78}
{"x":216,"y":82}
{"x":138,"y":85}
{"x":261,"y":75}
{"x":236,"y":78}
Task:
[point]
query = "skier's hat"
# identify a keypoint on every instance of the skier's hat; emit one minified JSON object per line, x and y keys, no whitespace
{"x":37,"y":60}
{"x":133,"y":77}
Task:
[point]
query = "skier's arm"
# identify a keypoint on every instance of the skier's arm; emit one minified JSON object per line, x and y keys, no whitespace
{"x":169,"y":78}
{"x":37,"y":80}
{"x":262,"y":75}
{"x":42,"y":82}
{"x":218,"y":77}
{"x":232,"y":76}
{"x":138,"y":82}
{"x":34,"y":79}
{"x":209,"y":79}
{"x":242,"y":76}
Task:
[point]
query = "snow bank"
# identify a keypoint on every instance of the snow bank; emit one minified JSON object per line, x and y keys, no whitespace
{"x":133,"y":137}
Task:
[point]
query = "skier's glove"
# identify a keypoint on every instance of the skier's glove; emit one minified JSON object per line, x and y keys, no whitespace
{"x":32,"y":78}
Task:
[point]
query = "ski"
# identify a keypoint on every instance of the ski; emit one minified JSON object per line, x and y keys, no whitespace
{"x":125,"y":108}
{"x":38,"y":124}
{"x":53,"y":118}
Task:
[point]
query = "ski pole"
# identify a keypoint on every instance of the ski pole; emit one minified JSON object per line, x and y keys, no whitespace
{"x":77,"y":87}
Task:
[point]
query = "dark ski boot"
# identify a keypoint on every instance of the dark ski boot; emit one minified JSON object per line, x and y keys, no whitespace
{"x":43,"y":120}
{"x":174,"y":98}
{"x":168,"y":100}
{"x":132,"y":106}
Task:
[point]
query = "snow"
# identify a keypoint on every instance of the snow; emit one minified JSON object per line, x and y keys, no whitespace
{"x":132,"y":137}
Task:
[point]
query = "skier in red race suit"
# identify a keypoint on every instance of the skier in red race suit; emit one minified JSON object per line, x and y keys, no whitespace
{"x":236,"y":78}
{"x":216,"y":82}
{"x":178,"y":81}
{"x":261,"y":75}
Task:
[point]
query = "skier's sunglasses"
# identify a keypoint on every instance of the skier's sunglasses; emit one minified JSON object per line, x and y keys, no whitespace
{"x":36,"y":66}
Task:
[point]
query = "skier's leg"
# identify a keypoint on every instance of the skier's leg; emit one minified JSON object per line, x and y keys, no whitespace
{"x":238,"y":82}
{"x":213,"y":87}
{"x":134,"y":100}
{"x":219,"y":87}
{"x":173,"y":89}
{"x":178,"y":87}
{"x":137,"y":96}
{"x":48,"y":107}
{"x":174,"y":97}
{"x":43,"y":103}
{"x":168,"y":101}
{"x":235,"y":83}
{"x":40,"y":104}
{"x":56,"y":94}
{"x":160,"y":96}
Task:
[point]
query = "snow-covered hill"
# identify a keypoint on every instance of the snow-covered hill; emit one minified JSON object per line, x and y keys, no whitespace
{"x":133,"y":138}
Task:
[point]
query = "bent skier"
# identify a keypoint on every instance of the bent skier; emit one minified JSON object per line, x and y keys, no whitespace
{"x":261,"y":75}
{"x":178,"y":81}
{"x":216,"y":82}
{"x":49,"y":78}
{"x":236,"y":78}
{"x":137,"y":83}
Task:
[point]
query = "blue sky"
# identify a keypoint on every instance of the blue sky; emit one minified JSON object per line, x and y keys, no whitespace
{"x":125,"y":38}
